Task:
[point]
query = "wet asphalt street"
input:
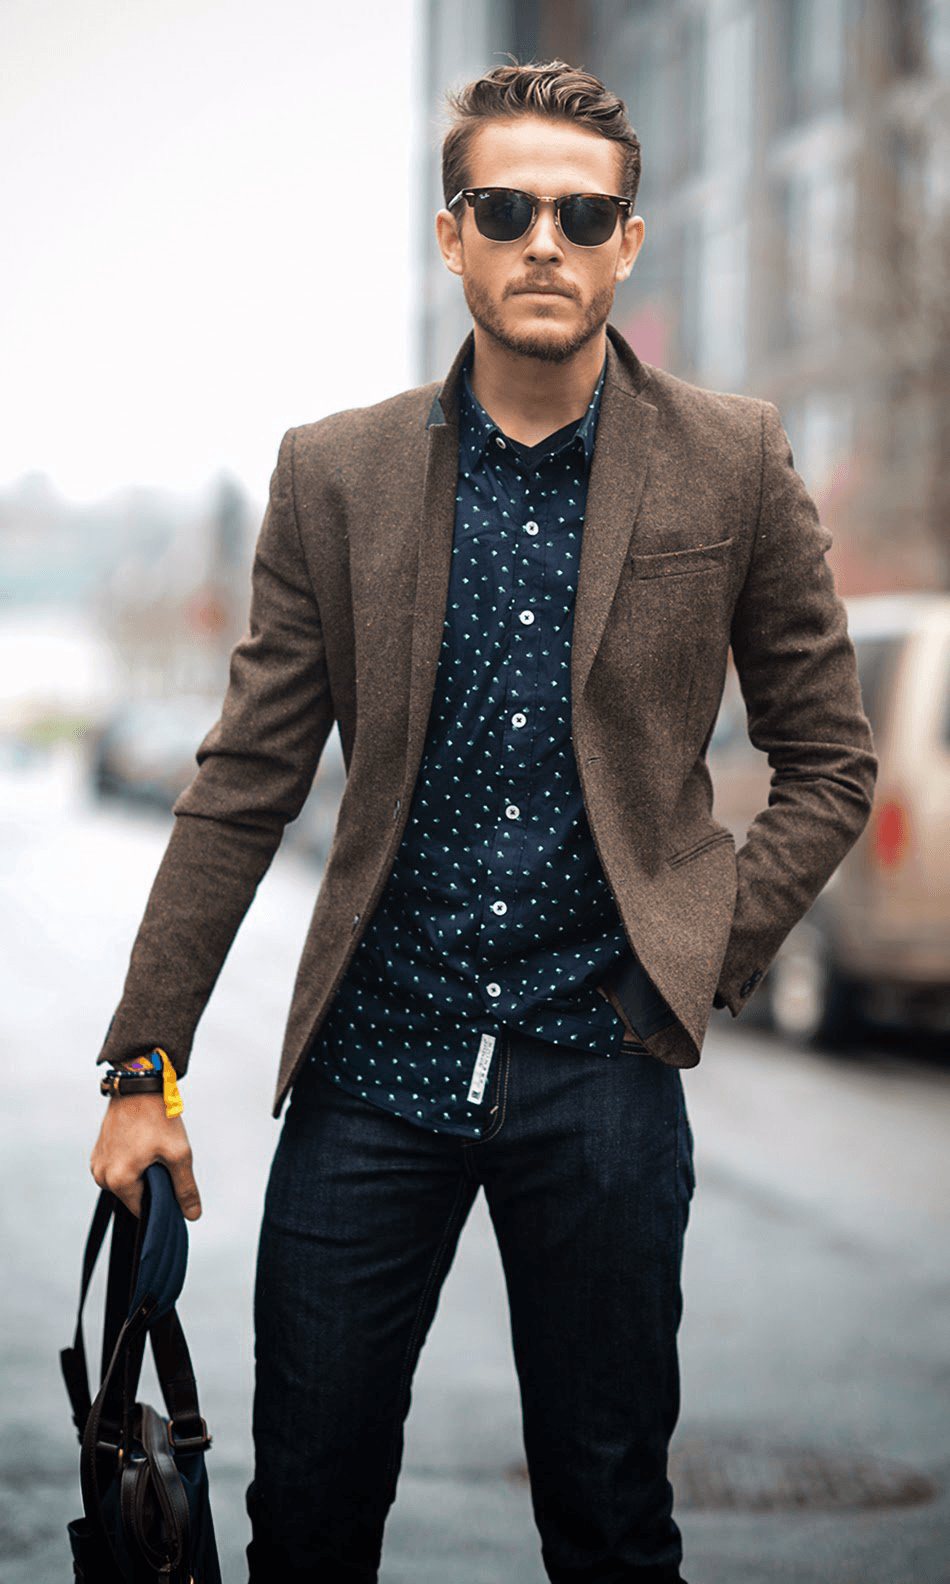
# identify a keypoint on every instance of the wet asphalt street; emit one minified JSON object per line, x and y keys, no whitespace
{"x":815,"y":1435}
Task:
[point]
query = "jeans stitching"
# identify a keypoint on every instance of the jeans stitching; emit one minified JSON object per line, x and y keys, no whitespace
{"x":501,"y":1090}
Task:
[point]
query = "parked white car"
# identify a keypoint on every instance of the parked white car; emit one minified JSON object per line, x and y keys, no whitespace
{"x":876,"y":944}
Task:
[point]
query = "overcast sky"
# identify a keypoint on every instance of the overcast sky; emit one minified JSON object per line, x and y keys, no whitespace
{"x":208,"y":210}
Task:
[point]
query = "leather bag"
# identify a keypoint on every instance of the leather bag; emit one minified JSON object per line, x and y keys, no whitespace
{"x":147,"y":1511}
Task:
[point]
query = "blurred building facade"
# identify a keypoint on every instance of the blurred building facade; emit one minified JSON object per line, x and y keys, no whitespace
{"x":156,"y":583}
{"x":796,"y":193}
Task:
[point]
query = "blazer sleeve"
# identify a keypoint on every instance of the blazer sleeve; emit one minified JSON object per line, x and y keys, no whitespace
{"x":256,"y":767}
{"x":798,"y":675}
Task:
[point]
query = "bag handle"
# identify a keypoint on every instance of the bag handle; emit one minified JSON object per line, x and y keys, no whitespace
{"x":123,"y":1252}
{"x":105,"y":1423}
{"x":128,"y":1273}
{"x":157,"y":1479}
{"x":73,"y":1359}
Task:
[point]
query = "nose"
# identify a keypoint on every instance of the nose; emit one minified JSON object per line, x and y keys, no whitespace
{"x":544,"y":240}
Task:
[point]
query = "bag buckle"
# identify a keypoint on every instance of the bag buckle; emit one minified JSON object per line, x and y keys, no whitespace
{"x":186,"y":1444}
{"x":109,"y":1439}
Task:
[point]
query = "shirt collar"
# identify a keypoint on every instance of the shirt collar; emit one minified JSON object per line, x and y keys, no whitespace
{"x":477,"y":430}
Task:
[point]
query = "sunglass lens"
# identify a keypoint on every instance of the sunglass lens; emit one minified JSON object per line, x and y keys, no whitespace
{"x":587,"y":221}
{"x":502,"y":215}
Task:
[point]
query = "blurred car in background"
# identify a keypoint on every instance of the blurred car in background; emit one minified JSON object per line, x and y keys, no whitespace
{"x":146,"y":755}
{"x":876,"y":944}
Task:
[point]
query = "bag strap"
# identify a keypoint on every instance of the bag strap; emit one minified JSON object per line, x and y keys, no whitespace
{"x":113,"y":1419}
{"x":187,"y":1431}
{"x":73,"y":1359}
{"x":172,"y":1359}
{"x":124,"y":1250}
{"x":155,"y":1480}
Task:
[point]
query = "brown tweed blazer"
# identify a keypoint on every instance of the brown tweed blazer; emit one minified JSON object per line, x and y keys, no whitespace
{"x":698,"y":535}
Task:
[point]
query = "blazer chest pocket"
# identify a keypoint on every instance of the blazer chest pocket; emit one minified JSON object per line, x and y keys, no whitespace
{"x":682,"y":563}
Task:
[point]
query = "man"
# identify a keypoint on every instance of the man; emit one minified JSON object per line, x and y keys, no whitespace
{"x":515,"y":595}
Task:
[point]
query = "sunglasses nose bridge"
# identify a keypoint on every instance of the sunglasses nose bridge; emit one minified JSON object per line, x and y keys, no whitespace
{"x":541,"y":206}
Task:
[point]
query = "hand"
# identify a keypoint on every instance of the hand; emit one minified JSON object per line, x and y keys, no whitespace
{"x":135,"y":1133}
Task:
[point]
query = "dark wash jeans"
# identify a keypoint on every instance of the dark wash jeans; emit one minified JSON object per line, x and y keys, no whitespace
{"x":587,"y":1169}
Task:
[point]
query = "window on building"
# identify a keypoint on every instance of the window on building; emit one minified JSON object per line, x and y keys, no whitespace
{"x":721,"y":348}
{"x":902,"y":430}
{"x":687,"y":98}
{"x":905,"y":215}
{"x":816,"y":214}
{"x":729,"y":86}
{"x":816,"y":55}
{"x":935,"y":29}
{"x":906,"y":36}
{"x":821,"y":430}
{"x":686,"y":258}
{"x":637,"y":82}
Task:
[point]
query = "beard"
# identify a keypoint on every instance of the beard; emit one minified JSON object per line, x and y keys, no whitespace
{"x":551,"y":346}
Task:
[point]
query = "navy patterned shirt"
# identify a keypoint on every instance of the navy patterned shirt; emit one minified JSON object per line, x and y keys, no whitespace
{"x":497,"y":915}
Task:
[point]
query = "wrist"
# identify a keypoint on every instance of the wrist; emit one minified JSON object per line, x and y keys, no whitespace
{"x":141,"y":1075}
{"x":124,"y":1080}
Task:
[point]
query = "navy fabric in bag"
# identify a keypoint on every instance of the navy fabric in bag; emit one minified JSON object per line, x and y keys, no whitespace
{"x":147,"y":1512}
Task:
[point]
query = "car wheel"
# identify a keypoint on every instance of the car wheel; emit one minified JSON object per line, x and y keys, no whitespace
{"x":809,"y":1002}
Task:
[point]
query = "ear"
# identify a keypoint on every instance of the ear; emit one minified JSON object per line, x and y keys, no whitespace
{"x":450,"y":241}
{"x":630,"y":245}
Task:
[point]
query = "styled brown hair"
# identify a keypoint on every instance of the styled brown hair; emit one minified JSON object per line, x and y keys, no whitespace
{"x":565,"y":93}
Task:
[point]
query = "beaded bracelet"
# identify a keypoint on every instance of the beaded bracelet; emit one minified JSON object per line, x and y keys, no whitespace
{"x":120,"y":1081}
{"x":152,"y":1074}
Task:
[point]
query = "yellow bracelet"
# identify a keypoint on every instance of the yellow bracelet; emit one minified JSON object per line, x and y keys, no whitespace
{"x":170,"y":1094}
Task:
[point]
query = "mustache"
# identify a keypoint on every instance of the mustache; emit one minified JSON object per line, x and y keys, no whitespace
{"x":542,"y":283}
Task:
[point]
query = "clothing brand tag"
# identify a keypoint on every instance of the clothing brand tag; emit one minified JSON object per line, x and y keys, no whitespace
{"x":482,"y":1064}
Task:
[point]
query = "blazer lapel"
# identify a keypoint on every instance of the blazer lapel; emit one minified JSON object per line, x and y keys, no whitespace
{"x":435,"y":556}
{"x":625,"y":436}
{"x":625,"y":431}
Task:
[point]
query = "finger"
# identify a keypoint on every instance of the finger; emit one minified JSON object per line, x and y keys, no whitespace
{"x":131,"y":1196}
{"x":186,"y":1189}
{"x":126,"y":1189}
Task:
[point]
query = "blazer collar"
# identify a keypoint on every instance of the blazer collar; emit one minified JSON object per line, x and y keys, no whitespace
{"x":435,"y":554}
{"x":624,"y":370}
{"x":444,"y":409}
{"x":625,"y":437}
{"x":625,"y":428}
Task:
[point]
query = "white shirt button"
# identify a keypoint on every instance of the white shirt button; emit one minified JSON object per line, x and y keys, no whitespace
{"x":531,"y":528}
{"x":518,"y":719}
{"x":512,"y":811}
{"x":499,"y":908}
{"x":500,"y":443}
{"x":526,"y":618}
{"x":493,"y":990}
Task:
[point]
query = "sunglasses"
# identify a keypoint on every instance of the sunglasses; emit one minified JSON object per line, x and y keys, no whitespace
{"x":503,"y":214}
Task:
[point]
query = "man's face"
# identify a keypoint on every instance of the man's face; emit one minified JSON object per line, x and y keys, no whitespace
{"x":539,"y":296}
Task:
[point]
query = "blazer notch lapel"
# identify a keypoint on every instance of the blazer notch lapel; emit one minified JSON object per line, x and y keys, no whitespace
{"x":625,"y":437}
{"x":432,"y":580}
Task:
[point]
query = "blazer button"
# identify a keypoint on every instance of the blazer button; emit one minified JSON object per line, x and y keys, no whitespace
{"x":750,"y":984}
{"x":356,"y":919}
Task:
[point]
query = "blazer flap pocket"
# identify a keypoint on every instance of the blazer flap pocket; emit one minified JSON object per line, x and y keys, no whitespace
{"x":682,"y":563}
